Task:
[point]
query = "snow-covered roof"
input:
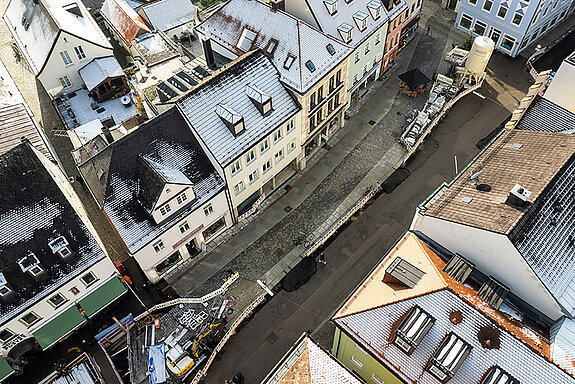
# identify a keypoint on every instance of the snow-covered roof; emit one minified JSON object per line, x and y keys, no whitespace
{"x":224,"y":93}
{"x":98,"y":70}
{"x":350,"y":13}
{"x":284,"y":35}
{"x":167,"y":14}
{"x":123,"y":19}
{"x":563,"y":344}
{"x":36,"y":24}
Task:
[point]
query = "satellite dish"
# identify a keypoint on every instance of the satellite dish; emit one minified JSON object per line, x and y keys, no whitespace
{"x":475,"y":176}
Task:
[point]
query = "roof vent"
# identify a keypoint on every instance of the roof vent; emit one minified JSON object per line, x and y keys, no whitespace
{"x":493,"y":292}
{"x":499,"y":376}
{"x":489,"y":337}
{"x":401,"y":272}
{"x":246,"y":40}
{"x":345,"y":32}
{"x":458,"y":268}
{"x":518,"y":196}
{"x":233,"y":120}
{"x":261,"y":100}
{"x":331,"y":6}
{"x":74,"y":9}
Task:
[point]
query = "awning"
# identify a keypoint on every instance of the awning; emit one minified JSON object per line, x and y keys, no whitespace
{"x":5,"y":369}
{"x":58,"y":327}
{"x":102,"y":296}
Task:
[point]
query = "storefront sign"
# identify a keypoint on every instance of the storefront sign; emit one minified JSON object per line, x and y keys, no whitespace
{"x":14,"y":341}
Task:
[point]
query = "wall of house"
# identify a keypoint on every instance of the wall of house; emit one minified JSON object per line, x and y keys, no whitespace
{"x":560,"y":90}
{"x":392,"y":40}
{"x":218,"y":48}
{"x":413,"y":10}
{"x":493,"y":254}
{"x":148,"y":258}
{"x":299,"y":9}
{"x":358,"y":360}
{"x":103,"y":270}
{"x":366,"y":60}
{"x":55,"y":67}
{"x":257,"y":164}
{"x":168,"y":196}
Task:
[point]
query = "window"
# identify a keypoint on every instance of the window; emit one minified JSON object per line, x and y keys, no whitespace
{"x":312,"y":122}
{"x":291,"y":146}
{"x":6,"y":335}
{"x":250,"y":156}
{"x":473,"y":2}
{"x":312,"y":102}
{"x":74,"y":291}
{"x":64,"y":252}
{"x":289,"y":61}
{"x":5,"y":291}
{"x":310,"y":65}
{"x":79,"y":52}
{"x":366,"y":48}
{"x":320,"y":93}
{"x":165,"y":209}
{"x":449,"y":357}
{"x":356,"y":361}
{"x":236,"y":167}
{"x":168,"y":263}
{"x":215,"y":228}
{"x":412,"y":330}
{"x":502,"y":12}
{"x":158,"y":246}
{"x":480,"y":27}
{"x":267,"y":166}
{"x":57,"y":300}
{"x":331,"y":83}
{"x":36,"y":270}
{"x":330,"y":49}
{"x":361,"y":350}
{"x":356,"y":57}
{"x":517,"y":17}
{"x":30,"y":319}
{"x":319,"y":116}
{"x":253,"y":176}
{"x":264,"y":146}
{"x":277,"y":135}
{"x":65,"y":82}
{"x":338,"y":77}
{"x":544,"y":28}
{"x":279,"y":156}
{"x":377,"y":39}
{"x":239,"y":187}
{"x":272,"y":45}
{"x":535,"y":34}
{"x":290,"y":126}
{"x":88,"y":279}
{"x":524,"y":42}
{"x":185,"y":227}
{"x":465,"y":21}
{"x":181,"y":198}
{"x":208,"y":210}
{"x":507,"y":42}
{"x":487,"y":5}
{"x":376,"y":379}
{"x":336,"y":99}
{"x":65,"y":56}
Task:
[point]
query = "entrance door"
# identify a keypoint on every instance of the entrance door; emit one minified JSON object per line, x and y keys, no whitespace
{"x":192,"y":248}
{"x":494,"y":35}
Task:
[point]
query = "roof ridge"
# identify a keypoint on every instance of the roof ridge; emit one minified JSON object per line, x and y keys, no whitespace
{"x":299,"y":56}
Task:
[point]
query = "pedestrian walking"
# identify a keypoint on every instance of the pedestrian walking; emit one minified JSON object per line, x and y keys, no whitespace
{"x":322,"y":258}
{"x":428,"y":29}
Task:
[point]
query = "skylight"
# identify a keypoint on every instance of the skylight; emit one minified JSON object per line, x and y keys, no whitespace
{"x":449,"y":357}
{"x":412,"y":330}
{"x":310,"y":66}
{"x":289,"y":61}
{"x":272,"y":45}
{"x":28,"y":262}
{"x":246,"y":40}
{"x":330,"y":49}
{"x":499,"y":376}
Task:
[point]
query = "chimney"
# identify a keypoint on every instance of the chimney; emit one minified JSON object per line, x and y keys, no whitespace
{"x":518,"y":196}
{"x":208,"y":53}
{"x":278,"y":5}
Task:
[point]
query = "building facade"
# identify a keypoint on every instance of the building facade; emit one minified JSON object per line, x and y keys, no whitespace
{"x":512,"y":25}
{"x":411,"y":21}
{"x":396,"y":11}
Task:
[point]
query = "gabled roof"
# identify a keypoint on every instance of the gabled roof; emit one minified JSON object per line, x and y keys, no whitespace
{"x":347,"y":13}
{"x":293,"y":37}
{"x":456,"y":309}
{"x":547,"y":116}
{"x":124,"y":19}
{"x":227,"y":87}
{"x":112,"y":175}
{"x":309,"y":363}
{"x":33,"y":212}
{"x":36,"y":24}
{"x":100,"y":69}
{"x":167,"y":14}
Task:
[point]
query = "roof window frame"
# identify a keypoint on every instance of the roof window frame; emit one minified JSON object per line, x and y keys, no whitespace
{"x":290,"y":59}
{"x":330,"y":49}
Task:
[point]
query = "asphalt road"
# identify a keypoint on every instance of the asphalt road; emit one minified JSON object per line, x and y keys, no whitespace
{"x":352,"y":255}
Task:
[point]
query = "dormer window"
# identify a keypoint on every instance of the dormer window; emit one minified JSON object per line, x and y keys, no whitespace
{"x":261,"y":100}
{"x":289,"y":61}
{"x":499,"y":376}
{"x":345,"y":32}
{"x":165,"y":209}
{"x":181,"y":198}
{"x":4,"y":289}
{"x":233,"y":120}
{"x":374,"y":8}
{"x":271,"y":48}
{"x":60,"y":246}
{"x":31,"y":264}
{"x":449,"y":357}
{"x":247,"y":40}
{"x":331,"y":6}
{"x":412,"y":330}
{"x":360,"y":19}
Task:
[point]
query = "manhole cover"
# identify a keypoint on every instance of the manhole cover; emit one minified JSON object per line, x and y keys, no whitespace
{"x":371,"y":122}
{"x":347,"y":117}
{"x":394,"y":134}
{"x":287,"y":208}
{"x":279,"y":252}
{"x":272,"y":338}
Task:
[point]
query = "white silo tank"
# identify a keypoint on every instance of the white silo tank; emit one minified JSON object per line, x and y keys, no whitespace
{"x":479,"y":55}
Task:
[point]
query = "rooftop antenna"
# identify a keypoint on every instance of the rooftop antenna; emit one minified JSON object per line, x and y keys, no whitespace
{"x":475,"y":177}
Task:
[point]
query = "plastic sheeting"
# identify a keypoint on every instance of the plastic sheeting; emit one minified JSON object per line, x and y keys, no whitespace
{"x":156,"y":364}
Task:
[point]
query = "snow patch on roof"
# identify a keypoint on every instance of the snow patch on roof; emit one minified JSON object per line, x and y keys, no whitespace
{"x":19,"y":224}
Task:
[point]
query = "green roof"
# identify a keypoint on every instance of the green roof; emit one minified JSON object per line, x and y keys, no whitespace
{"x":58,"y":327}
{"x":102,"y":296}
{"x":5,"y":369}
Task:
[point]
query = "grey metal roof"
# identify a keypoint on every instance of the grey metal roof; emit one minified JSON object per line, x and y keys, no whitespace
{"x":33,"y":212}
{"x":228,"y":88}
{"x":293,"y":36}
{"x":100,"y":69}
{"x":545,"y":115}
{"x":167,"y":140}
{"x":374,"y":328}
{"x":167,"y":14}
{"x":545,"y":236}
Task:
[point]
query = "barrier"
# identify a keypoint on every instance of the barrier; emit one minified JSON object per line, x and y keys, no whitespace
{"x":532,"y":71}
{"x":253,"y":208}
